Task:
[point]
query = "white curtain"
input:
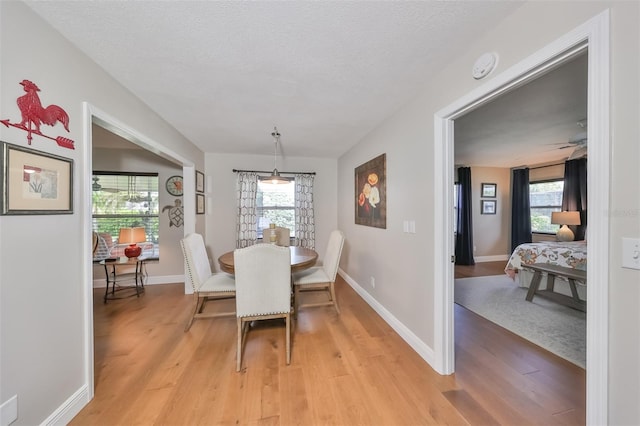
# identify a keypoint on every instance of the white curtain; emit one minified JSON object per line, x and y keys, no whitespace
{"x":305,"y":222}
{"x":247,"y":188}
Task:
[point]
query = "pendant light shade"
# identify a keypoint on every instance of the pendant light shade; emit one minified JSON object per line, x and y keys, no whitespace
{"x":275,"y":177}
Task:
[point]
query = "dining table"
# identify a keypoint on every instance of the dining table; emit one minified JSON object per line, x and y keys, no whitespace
{"x":301,"y":258}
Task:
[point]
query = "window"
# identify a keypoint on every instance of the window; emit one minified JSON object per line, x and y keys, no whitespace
{"x":275,"y":204}
{"x":545,"y":197}
{"x":125,"y":200}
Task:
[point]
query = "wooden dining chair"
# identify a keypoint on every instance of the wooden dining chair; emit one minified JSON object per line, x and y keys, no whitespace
{"x":263,"y":289}
{"x":321,"y":278}
{"x":207,"y":285}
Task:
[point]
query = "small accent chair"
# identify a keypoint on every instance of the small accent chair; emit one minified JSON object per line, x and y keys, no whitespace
{"x":263,"y":289}
{"x":321,"y":278}
{"x":206,"y":285}
{"x":283,"y":236}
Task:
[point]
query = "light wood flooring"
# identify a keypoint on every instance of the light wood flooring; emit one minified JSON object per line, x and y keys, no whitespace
{"x":348,"y":369}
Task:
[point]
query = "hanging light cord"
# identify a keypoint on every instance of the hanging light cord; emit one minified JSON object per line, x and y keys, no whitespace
{"x":276,"y":138}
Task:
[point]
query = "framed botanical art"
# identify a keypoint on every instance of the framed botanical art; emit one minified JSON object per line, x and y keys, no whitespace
{"x":35,"y":182}
{"x":371,"y":193}
{"x":199,"y":203}
{"x":199,"y":181}
{"x":488,"y":207}
{"x":489,"y":190}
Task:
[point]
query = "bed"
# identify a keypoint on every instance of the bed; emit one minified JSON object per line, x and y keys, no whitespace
{"x":571,"y":254}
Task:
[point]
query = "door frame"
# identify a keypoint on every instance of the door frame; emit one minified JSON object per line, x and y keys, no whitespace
{"x":93,"y":115}
{"x":593,"y":35}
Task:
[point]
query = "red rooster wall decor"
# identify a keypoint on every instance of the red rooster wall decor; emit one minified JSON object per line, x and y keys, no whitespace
{"x":34,"y":115}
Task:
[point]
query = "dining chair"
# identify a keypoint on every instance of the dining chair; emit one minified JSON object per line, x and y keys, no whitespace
{"x":207,"y":285}
{"x":321,"y":278}
{"x":283,"y":236}
{"x":263,"y":289}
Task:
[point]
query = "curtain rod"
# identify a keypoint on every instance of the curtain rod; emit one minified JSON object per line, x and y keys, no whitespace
{"x":539,"y":167}
{"x":548,"y":165}
{"x":262,"y":171}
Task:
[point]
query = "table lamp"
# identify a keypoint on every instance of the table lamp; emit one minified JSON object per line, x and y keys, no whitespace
{"x":132,"y":236}
{"x":564,"y":219}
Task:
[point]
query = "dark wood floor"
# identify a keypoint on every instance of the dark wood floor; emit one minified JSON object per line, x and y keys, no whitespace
{"x":348,"y":369}
{"x":480,"y":269}
{"x":483,"y":344}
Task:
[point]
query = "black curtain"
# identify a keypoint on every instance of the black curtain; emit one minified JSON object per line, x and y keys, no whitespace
{"x":464,"y":236}
{"x":574,"y":196}
{"x":520,"y":208}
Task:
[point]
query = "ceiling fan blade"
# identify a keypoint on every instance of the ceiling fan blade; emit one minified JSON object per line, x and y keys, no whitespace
{"x":579,"y":152}
{"x":579,"y":139}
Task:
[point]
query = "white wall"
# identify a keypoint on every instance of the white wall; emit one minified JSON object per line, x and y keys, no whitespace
{"x":42,"y":274}
{"x":491,"y":232}
{"x":221,"y":196}
{"x":402,"y":263}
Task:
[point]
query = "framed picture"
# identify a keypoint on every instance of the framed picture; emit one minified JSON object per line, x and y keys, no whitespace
{"x":488,"y":207}
{"x":199,"y":181}
{"x":489,"y":190}
{"x":35,"y":182}
{"x":371,"y":193}
{"x":199,"y":203}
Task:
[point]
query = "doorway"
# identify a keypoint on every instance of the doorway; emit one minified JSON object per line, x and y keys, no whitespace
{"x":594,"y":36}
{"x":93,"y":115}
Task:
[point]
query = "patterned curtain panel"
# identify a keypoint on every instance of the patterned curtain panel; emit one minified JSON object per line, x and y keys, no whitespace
{"x":305,"y":222}
{"x":247,"y":188}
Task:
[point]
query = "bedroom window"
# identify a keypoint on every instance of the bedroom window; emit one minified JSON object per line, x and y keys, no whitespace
{"x":545,"y":197}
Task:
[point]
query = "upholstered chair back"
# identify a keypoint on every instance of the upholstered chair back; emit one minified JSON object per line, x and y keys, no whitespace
{"x":331,"y":260}
{"x":197,"y":260}
{"x":263,"y":280}
{"x":283,"y":236}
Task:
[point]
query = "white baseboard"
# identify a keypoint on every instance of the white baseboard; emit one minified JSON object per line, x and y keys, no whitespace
{"x":495,"y":258}
{"x":407,"y":335}
{"x":151,"y":280}
{"x":69,"y":409}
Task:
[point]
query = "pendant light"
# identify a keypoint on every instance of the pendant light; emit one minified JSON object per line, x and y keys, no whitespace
{"x":275,"y":177}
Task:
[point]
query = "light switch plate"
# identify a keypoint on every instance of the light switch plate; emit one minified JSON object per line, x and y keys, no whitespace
{"x":631,"y":253}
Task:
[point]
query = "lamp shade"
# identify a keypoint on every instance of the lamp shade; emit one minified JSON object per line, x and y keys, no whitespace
{"x":565,"y":218}
{"x":132,"y":236}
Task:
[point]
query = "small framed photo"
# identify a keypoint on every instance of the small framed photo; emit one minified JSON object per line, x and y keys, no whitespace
{"x":199,"y":181}
{"x":199,"y":203}
{"x":489,"y":190}
{"x":488,"y":207}
{"x":35,"y":182}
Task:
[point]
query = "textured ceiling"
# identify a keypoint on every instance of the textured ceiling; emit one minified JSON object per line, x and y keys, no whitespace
{"x":532,"y":124}
{"x":224,"y":73}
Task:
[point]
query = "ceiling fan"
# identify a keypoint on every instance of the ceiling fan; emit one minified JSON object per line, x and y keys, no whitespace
{"x":578,"y":142}
{"x":132,"y":193}
{"x":97,"y":187}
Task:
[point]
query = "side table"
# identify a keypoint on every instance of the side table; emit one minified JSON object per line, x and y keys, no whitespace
{"x":125,"y":277}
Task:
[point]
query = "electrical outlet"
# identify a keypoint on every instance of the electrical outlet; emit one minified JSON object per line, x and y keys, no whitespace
{"x":373,"y":282}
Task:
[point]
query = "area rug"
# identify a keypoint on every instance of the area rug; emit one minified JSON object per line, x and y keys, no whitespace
{"x":557,"y":328}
